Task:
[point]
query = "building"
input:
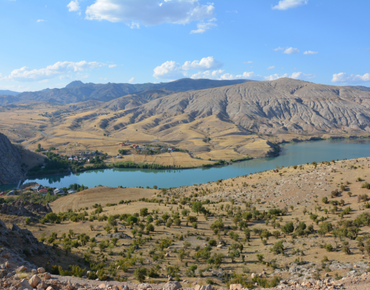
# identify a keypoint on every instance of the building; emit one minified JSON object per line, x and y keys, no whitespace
{"x":58,"y":191}
{"x":37,"y":187}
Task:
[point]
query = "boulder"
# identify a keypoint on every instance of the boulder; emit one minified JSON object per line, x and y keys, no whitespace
{"x":47,"y":276}
{"x":34,"y":281}
{"x":40,"y":270}
{"x":236,"y":287}
{"x":206,"y":287}
{"x":25,"y":284}
{"x":144,"y":286}
{"x":173,"y":285}
{"x":42,"y":285}
{"x":21,"y":269}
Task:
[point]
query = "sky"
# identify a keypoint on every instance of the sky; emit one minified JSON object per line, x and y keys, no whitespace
{"x":48,"y":43}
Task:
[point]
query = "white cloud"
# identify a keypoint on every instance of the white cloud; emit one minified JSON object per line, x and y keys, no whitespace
{"x":112,"y":65}
{"x":51,"y":71}
{"x":131,"y":80}
{"x":173,"y":70}
{"x":40,"y":20}
{"x":149,"y":12}
{"x":295,"y":75}
{"x":271,"y":67}
{"x":278,"y":48}
{"x":291,"y":50}
{"x":287,"y":4}
{"x":221,"y":75}
{"x":302,"y":76}
{"x":134,"y":25}
{"x":275,"y":77}
{"x":205,"y":63}
{"x":249,"y":61}
{"x":204,"y":26}
{"x":310,"y":52}
{"x":350,"y":78}
{"x":73,"y":6}
{"x":168,"y":70}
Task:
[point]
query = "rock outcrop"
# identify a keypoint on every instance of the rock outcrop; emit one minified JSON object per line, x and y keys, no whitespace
{"x":10,"y":162}
{"x":24,"y":208}
{"x":19,"y":242}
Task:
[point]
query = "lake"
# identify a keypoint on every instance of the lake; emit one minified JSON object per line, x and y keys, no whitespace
{"x":291,"y":154}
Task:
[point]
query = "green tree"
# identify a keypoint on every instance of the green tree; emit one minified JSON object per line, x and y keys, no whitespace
{"x":197,"y":207}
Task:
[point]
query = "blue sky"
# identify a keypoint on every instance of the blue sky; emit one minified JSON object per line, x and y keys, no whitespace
{"x":48,"y":43}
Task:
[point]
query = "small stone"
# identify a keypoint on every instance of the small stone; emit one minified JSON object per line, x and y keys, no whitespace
{"x":6,"y":255}
{"x":6,"y":264}
{"x":2,"y":273}
{"x":124,"y":287}
{"x":47,"y":275}
{"x":40,"y":270}
{"x":253,"y":275}
{"x":101,"y":286}
{"x":50,"y":288}
{"x":33,"y":271}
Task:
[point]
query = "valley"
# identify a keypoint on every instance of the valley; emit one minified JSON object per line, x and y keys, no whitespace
{"x":243,"y":120}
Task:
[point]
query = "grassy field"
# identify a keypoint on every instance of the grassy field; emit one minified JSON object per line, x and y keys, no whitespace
{"x":313,"y":216}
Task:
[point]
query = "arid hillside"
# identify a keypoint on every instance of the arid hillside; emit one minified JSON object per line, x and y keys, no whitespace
{"x":272,"y":107}
{"x":224,"y":122}
{"x":303,"y":227}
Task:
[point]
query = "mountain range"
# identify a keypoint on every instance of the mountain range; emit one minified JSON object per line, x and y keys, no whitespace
{"x":9,"y":93}
{"x":270,"y":107}
{"x":78,"y":91}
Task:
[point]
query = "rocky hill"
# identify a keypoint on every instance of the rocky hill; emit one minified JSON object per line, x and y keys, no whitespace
{"x":271,"y":107}
{"x":10,"y":162}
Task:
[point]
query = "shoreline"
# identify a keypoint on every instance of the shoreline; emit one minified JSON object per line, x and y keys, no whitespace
{"x":277,"y":148}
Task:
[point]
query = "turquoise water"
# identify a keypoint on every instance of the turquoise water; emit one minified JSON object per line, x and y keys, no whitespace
{"x":292,"y":154}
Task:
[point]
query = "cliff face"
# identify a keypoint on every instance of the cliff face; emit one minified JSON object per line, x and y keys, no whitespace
{"x":10,"y":162}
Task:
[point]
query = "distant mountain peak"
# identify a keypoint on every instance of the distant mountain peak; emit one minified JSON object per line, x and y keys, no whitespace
{"x":74,"y":84}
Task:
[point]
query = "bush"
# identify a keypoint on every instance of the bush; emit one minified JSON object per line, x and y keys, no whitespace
{"x":365,"y":185}
{"x":144,"y":211}
{"x":140,"y":274}
{"x":288,"y":228}
{"x":278,"y":248}
{"x":212,"y":243}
